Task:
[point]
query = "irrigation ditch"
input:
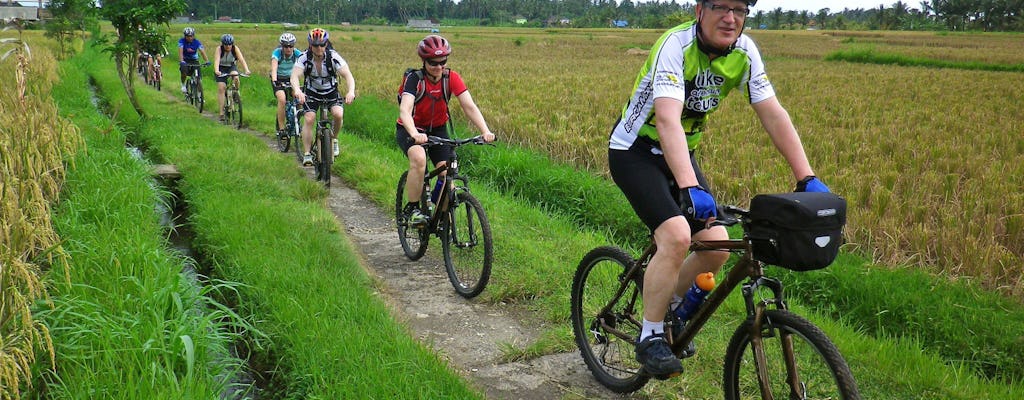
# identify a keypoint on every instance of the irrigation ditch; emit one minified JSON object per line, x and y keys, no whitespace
{"x":254,"y":380}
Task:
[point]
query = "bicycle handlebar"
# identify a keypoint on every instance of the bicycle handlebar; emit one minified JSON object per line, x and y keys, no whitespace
{"x":440,"y":141}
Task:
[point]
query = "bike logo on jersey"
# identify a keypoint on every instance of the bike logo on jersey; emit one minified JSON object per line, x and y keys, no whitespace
{"x":706,"y":92}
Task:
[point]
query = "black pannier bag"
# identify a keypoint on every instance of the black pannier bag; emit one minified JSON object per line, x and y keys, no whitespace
{"x":801,"y":231}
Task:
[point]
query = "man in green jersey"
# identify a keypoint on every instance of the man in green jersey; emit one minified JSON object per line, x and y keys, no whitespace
{"x":690,"y":70}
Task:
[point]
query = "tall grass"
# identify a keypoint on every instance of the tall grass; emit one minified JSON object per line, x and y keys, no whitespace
{"x":126,"y":322}
{"x":34,"y":142}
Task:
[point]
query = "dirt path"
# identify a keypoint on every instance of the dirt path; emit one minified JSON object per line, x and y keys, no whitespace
{"x":469,"y":333}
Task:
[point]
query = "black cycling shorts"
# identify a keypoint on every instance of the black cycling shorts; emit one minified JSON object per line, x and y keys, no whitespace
{"x":648,"y":183}
{"x":436,"y":153}
{"x":284,"y":83}
{"x":317,"y":101}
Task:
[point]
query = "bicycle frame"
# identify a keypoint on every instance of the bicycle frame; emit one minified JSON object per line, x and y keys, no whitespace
{"x":444,"y":199}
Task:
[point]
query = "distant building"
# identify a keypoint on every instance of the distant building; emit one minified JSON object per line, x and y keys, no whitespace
{"x":620,"y":23}
{"x":423,"y":25}
{"x":23,"y":10}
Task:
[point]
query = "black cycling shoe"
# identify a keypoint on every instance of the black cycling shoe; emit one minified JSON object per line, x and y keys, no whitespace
{"x":677,"y":335}
{"x":657,"y":359}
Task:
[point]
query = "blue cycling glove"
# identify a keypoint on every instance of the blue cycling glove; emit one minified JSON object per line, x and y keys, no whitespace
{"x":698,"y":203}
{"x":183,"y":63}
{"x":811,"y":184}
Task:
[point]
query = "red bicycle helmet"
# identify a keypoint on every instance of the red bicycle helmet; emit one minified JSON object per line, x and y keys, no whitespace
{"x":318,"y":36}
{"x":433,"y":46}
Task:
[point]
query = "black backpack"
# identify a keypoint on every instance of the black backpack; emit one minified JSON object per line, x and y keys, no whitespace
{"x":421,"y":85}
{"x":328,"y":60}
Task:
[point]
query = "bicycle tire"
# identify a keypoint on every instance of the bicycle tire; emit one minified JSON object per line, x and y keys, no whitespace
{"x":326,"y":156}
{"x":284,"y":143}
{"x":610,"y":358}
{"x":158,"y":78}
{"x":228,"y":110}
{"x":238,"y":108}
{"x":414,"y":240}
{"x":823,"y":372}
{"x":468,"y":265}
{"x":200,"y":101}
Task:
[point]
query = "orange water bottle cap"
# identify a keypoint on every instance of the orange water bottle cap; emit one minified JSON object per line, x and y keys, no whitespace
{"x":706,"y":281}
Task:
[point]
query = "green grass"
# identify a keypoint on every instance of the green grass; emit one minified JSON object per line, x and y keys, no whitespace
{"x":125,"y":323}
{"x":870,"y":56}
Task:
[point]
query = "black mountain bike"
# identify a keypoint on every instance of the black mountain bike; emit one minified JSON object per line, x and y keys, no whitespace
{"x":322,"y":149}
{"x":458,"y":220}
{"x":194,"y":86}
{"x":774,"y":353}
{"x":292,"y":125}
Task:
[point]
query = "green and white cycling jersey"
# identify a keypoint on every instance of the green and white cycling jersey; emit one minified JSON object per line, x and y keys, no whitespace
{"x":678,"y":69}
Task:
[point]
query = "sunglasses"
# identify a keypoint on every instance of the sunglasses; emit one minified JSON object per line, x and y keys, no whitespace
{"x":433,"y":63}
{"x":320,"y":45}
{"x":286,"y":47}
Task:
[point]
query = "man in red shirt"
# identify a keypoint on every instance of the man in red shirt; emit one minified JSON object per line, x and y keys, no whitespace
{"x":423,"y":111}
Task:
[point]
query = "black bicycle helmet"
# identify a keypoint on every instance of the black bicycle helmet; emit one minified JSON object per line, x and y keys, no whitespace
{"x":189,"y":31}
{"x":227,"y":39}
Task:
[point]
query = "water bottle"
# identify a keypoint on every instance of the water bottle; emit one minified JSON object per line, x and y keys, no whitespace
{"x":695,"y":296}
{"x":437,"y":189}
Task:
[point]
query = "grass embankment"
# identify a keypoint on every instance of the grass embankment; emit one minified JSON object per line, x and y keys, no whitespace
{"x":126,"y":324}
{"x":871,"y":56}
{"x":260,"y":223}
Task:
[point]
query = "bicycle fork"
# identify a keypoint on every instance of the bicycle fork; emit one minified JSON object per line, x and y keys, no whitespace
{"x":798,"y":389}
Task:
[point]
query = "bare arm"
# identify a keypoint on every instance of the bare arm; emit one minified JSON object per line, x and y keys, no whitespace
{"x":780,"y":128}
{"x":297,"y":73}
{"x":475,"y":116}
{"x":273,"y":69}
{"x":667,"y":113}
{"x":241,"y":60}
{"x":350,"y":81}
{"x":216,"y":60}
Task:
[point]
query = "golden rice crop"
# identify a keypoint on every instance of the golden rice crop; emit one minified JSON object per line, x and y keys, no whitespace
{"x":33,"y":143}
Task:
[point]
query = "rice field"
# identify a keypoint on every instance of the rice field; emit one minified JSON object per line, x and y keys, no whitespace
{"x":929,"y":159}
{"x":31,"y":176}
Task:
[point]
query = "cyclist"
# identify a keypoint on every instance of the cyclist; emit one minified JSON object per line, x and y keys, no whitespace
{"x":690,"y":70}
{"x":423,"y":111}
{"x":189,"y":49}
{"x":281,"y":62}
{"x":151,"y":52}
{"x":227,"y":57}
{"x":321,"y":66}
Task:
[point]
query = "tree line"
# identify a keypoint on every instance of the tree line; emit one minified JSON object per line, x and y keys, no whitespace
{"x":955,"y":15}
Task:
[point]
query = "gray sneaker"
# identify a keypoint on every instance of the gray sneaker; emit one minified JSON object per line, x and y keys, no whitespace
{"x":657,"y":359}
{"x":307,"y":160}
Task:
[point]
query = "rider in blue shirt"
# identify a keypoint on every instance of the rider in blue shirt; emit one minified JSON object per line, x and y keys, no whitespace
{"x":281,"y":62}
{"x":189,"y":49}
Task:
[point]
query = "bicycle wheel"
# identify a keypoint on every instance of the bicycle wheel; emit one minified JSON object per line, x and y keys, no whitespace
{"x":816,"y":365}
{"x":237,"y":114}
{"x":466,"y":244}
{"x":326,"y":156}
{"x":200,"y":101}
{"x":158,"y":78}
{"x":284,"y":139}
{"x":414,"y":240}
{"x":606,"y":320}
